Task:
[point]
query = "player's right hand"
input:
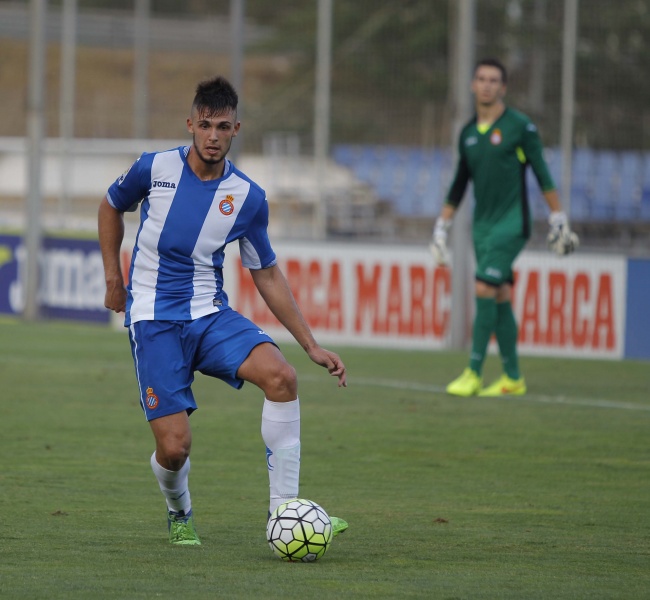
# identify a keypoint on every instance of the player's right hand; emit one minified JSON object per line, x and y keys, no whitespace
{"x":115,"y":297}
{"x":438,"y":244}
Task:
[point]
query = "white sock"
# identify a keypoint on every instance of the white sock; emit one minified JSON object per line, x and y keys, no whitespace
{"x":174,"y":485}
{"x":281,"y":434}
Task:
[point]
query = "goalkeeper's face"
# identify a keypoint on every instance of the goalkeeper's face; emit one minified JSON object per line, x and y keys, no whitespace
{"x":487,"y":86}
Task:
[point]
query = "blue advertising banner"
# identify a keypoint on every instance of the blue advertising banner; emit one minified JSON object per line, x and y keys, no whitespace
{"x":11,"y":301}
{"x":637,"y":334}
{"x":71,"y":279}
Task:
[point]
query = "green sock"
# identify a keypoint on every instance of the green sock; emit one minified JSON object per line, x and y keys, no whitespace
{"x":484,"y":325}
{"x":506,"y":332}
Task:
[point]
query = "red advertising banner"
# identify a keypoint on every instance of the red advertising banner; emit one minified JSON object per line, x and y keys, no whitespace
{"x":573,"y":306}
{"x":395,"y":297}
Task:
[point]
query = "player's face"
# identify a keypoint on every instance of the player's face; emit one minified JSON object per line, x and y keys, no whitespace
{"x":212,"y":135}
{"x":487,"y":86}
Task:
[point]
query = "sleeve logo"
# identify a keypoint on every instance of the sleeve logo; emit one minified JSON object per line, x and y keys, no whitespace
{"x":123,"y":175}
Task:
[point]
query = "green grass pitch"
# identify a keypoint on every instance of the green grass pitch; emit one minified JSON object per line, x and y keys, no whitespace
{"x":546,"y":496}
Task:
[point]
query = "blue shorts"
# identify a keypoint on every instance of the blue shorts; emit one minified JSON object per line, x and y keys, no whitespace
{"x":167,"y":353}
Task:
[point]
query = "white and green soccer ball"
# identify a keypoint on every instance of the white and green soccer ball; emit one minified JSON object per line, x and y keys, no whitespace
{"x":299,"y":531}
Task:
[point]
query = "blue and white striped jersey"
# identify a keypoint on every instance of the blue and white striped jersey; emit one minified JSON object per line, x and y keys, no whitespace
{"x":185,"y":224}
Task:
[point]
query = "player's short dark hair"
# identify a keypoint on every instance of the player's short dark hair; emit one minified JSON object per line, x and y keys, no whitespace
{"x":215,"y":96}
{"x":493,"y":62}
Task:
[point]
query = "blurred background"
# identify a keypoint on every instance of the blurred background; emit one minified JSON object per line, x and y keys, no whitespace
{"x":349,"y":109}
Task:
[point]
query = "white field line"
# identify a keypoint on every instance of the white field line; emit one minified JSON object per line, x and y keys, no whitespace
{"x":396,"y":384}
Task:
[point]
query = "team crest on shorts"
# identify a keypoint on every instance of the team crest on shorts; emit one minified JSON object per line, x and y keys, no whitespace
{"x":496,"y":137}
{"x":151,"y":400}
{"x":227,"y":205}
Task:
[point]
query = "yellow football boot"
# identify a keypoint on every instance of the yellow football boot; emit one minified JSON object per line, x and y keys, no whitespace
{"x":504,"y":386}
{"x":468,"y":384}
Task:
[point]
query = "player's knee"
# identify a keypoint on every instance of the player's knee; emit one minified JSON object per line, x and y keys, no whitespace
{"x":504,"y":293}
{"x":282,"y":385}
{"x":172,"y":453}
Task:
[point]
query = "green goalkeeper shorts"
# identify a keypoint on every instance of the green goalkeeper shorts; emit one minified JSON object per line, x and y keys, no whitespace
{"x":495,"y":255}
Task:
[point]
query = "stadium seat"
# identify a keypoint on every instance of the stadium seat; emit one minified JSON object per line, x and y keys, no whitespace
{"x":368,"y":165}
{"x":388,"y":164}
{"x":582,"y":165}
{"x":578,"y":208}
{"x":645,"y":189}
{"x":602,"y":198}
{"x":343,"y":154}
{"x":628,"y":200}
{"x":432,"y":184}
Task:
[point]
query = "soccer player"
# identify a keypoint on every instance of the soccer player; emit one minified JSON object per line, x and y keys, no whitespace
{"x":495,"y":148}
{"x":193,"y":203}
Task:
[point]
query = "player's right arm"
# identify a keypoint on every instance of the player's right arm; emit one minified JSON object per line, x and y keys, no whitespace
{"x":124,"y":194}
{"x":110,"y":226}
{"x":459,"y":183}
{"x":438,"y":244}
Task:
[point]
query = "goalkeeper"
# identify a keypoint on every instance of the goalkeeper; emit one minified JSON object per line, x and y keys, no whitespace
{"x":495,"y":148}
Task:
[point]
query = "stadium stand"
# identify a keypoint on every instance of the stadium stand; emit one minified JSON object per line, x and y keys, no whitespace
{"x":607,"y":186}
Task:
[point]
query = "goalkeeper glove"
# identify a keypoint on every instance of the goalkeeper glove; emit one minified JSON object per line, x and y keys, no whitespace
{"x":561,"y":239}
{"x":438,"y":245}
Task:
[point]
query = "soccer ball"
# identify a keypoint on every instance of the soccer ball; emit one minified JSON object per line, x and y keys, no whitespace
{"x":299,"y":531}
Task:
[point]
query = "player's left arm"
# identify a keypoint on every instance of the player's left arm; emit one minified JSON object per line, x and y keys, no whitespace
{"x":553,"y":200}
{"x":274,"y":289}
{"x":533,"y":153}
{"x":560,"y":239}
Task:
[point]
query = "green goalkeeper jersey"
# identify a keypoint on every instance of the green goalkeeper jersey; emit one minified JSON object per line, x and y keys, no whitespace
{"x":495,"y":159}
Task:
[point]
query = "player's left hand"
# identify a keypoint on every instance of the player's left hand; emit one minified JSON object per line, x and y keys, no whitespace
{"x":561,"y":239}
{"x":332,"y":362}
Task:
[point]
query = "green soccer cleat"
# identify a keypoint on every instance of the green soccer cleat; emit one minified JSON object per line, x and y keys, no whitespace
{"x":504,"y":386}
{"x":181,"y":529}
{"x":338,"y":525}
{"x":468,"y":384}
